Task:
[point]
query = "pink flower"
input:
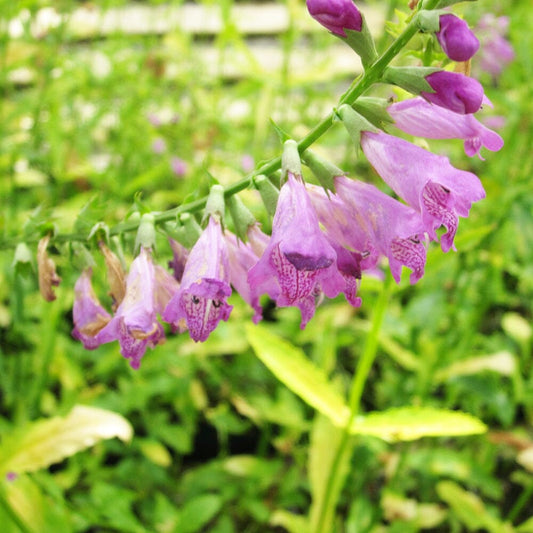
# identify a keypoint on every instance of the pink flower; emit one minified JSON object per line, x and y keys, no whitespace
{"x":241,"y":259}
{"x":159,"y":146}
{"x":336,"y":15}
{"x":427,"y":182}
{"x":135,"y":324}
{"x":200,"y":302}
{"x":178,"y":166}
{"x":496,"y":51}
{"x":417,"y":117}
{"x":454,"y":91}
{"x":87,"y":313}
{"x":299,"y":263}
{"x":456,"y":38}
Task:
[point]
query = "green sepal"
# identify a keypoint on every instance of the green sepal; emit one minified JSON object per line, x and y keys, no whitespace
{"x":81,"y":256}
{"x":282,"y":134}
{"x":215,"y":205}
{"x":428,"y":21}
{"x":99,"y":232}
{"x":186,"y":230}
{"x":362,"y":43}
{"x":146,"y":233}
{"x":290,"y":160}
{"x":354,"y":122}
{"x":269,"y":193}
{"x":374,"y":110}
{"x":412,"y":79}
{"x":241,"y":215}
{"x":324,"y":171}
{"x":446,"y":3}
{"x":23,"y":260}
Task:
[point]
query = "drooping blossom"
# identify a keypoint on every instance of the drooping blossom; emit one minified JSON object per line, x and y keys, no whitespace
{"x":135,"y":324}
{"x":456,"y":39}
{"x":417,"y":117}
{"x":496,"y":51}
{"x":454,"y":91}
{"x":179,"y":258}
{"x":241,"y":259}
{"x":200,"y":302}
{"x":336,"y":15}
{"x":427,"y":182}
{"x":390,"y":228}
{"x":299,"y":263}
{"x":88,"y":315}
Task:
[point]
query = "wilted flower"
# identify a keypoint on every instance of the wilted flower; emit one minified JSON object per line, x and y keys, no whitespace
{"x":88,"y":315}
{"x":422,"y":119}
{"x":179,"y":258}
{"x":135,"y":322}
{"x":298,"y":263}
{"x":116,"y":277}
{"x":48,"y":277}
{"x":456,"y":38}
{"x":336,"y":15}
{"x":454,"y":91}
{"x":200,"y":302}
{"x":427,"y":182}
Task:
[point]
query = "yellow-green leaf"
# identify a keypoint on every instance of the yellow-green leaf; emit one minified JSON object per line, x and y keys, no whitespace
{"x":289,"y":364}
{"x":47,"y":441}
{"x":410,"y":423}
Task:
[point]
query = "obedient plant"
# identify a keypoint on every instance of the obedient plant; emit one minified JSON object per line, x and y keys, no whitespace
{"x":325,"y":238}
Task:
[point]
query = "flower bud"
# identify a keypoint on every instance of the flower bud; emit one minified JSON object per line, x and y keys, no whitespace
{"x":456,"y":39}
{"x":336,"y":15}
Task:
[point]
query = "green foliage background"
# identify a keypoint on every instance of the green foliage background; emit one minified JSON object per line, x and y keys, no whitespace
{"x":219,"y":443}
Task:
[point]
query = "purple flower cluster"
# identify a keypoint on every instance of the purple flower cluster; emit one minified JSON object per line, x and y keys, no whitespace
{"x":322,"y":241}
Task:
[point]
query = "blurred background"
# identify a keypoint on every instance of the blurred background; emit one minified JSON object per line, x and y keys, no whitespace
{"x":108,"y":106}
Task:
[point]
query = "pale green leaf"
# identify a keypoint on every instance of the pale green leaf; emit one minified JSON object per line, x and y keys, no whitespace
{"x":289,"y":521}
{"x":196,"y":513}
{"x":44,"y":442}
{"x":501,"y":362}
{"x":291,"y":367}
{"x":410,"y":423}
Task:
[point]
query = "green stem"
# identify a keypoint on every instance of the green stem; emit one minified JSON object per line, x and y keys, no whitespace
{"x":371,"y":75}
{"x":356,"y":392}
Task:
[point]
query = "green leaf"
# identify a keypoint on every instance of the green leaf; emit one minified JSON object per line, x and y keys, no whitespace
{"x":44,"y":442}
{"x":410,"y":423}
{"x":196,"y":513}
{"x":289,"y":364}
{"x":289,"y":521}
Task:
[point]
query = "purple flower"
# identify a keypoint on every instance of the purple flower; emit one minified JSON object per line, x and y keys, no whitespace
{"x":417,"y":117}
{"x":496,"y":52}
{"x":88,"y":315}
{"x":391,"y":228}
{"x":179,"y":258}
{"x":299,"y":263}
{"x":456,"y":38}
{"x":454,"y":91}
{"x":200,"y":302}
{"x":135,"y":323}
{"x":336,"y":15}
{"x":241,"y":259}
{"x":178,"y":166}
{"x":159,"y":146}
{"x":427,"y":182}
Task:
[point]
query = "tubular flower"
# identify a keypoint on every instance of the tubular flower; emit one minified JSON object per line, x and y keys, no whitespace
{"x":454,"y":91}
{"x":456,"y":38}
{"x":427,"y":182}
{"x":200,"y":303}
{"x":87,"y":313}
{"x":299,"y":263}
{"x":417,"y":117}
{"x":336,"y":15}
{"x":496,"y":52}
{"x":135,"y":323}
{"x":241,"y":259}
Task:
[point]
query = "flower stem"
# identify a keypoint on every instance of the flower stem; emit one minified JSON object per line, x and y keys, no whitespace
{"x":371,"y":75}
{"x":356,"y":392}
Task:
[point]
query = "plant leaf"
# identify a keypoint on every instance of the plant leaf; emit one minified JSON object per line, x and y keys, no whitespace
{"x":410,"y":423}
{"x":289,"y":364}
{"x":47,"y":441}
